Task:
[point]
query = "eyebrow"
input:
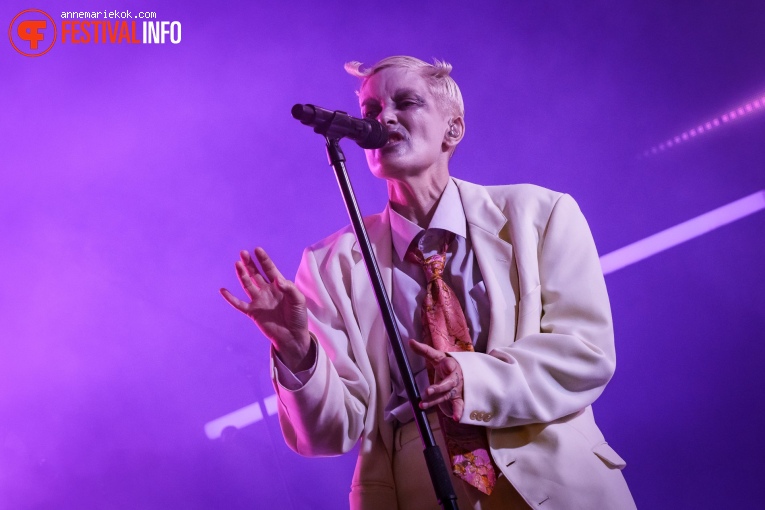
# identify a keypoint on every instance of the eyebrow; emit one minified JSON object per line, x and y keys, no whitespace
{"x":397,"y":96}
{"x":407,"y":92}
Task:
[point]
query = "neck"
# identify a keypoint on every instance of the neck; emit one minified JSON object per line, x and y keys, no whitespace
{"x":416,"y":197}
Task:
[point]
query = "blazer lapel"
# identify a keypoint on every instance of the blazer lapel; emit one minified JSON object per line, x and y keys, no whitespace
{"x":494,"y":254}
{"x":367,"y":311}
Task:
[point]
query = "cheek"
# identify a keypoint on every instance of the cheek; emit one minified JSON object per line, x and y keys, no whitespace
{"x":432,"y":138}
{"x":371,"y":157}
{"x":372,"y":162}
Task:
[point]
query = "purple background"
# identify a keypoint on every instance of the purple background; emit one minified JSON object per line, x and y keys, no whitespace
{"x":131,"y":176}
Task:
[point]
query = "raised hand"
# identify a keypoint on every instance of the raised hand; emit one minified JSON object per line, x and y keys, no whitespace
{"x":276,"y":305}
{"x":447,"y":389}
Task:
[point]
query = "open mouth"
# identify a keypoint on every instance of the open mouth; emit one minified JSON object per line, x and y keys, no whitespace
{"x":393,"y":137}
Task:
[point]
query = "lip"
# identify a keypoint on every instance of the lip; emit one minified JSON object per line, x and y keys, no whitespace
{"x":394,"y":137}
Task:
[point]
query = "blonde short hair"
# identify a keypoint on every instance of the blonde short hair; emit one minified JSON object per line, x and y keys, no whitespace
{"x":442,"y":86}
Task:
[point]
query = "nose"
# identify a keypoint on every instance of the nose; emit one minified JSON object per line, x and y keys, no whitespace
{"x":387,"y":115}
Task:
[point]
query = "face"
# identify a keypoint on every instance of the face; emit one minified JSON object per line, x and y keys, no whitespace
{"x":402,"y":101}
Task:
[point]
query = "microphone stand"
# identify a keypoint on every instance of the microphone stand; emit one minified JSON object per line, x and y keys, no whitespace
{"x":439,"y":476}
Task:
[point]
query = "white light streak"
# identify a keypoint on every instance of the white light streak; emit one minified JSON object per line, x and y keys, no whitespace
{"x":270,"y":403}
{"x":610,"y":262}
{"x":753,"y":106}
{"x":683,"y":232}
{"x":238,"y":419}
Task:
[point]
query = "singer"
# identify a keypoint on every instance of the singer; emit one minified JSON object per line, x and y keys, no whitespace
{"x":501,"y":293}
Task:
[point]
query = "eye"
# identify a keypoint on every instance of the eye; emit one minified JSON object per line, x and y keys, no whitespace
{"x":371,"y":113}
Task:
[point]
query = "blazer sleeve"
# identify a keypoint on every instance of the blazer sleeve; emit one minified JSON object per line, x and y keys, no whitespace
{"x":564,"y":366}
{"x":325,"y":416}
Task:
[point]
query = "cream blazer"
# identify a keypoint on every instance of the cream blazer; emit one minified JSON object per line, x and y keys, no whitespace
{"x":549,"y":355}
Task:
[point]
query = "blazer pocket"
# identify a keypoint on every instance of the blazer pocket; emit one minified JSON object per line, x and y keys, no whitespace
{"x":481,"y":312}
{"x":479,"y":296}
{"x":609,"y":457}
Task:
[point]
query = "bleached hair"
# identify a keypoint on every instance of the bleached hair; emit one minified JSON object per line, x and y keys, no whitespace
{"x":442,"y":86}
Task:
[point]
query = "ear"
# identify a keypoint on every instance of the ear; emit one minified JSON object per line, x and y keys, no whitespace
{"x":454,"y":133}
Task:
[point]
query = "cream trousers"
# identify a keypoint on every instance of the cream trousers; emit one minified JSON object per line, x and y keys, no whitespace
{"x":414,"y":489}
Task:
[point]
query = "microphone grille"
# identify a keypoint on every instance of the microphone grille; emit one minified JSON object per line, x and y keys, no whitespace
{"x":303,"y":112}
{"x":376,"y":135}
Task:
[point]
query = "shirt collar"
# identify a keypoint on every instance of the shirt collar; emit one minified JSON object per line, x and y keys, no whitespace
{"x":449,"y":215}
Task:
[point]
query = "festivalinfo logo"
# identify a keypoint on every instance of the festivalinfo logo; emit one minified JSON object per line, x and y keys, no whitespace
{"x":34,"y":32}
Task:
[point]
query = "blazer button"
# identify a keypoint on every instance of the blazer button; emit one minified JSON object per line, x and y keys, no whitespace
{"x":474,"y":415}
{"x":487,"y":417}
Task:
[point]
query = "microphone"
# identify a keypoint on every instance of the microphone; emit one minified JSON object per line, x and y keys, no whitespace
{"x":368,"y":133}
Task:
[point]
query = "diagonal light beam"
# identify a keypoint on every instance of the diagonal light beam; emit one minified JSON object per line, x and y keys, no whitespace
{"x":683,"y":232}
{"x":240,"y":418}
{"x":610,"y":262}
{"x":237,"y":419}
{"x":754,"y":106}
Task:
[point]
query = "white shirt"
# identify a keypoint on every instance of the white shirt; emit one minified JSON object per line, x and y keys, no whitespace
{"x":461,"y":273}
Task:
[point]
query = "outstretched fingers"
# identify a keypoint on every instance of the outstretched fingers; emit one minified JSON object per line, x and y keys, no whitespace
{"x":252,"y":269}
{"x":269,"y":268}
{"x":233,"y":300}
{"x":246,"y":280}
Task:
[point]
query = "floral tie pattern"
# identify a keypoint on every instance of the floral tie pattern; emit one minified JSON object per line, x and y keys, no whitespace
{"x":444,"y":328}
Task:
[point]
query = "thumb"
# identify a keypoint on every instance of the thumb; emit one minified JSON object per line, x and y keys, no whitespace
{"x":458,"y":407}
{"x":290,"y":290}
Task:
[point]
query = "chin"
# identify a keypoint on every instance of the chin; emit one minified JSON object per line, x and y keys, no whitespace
{"x":392,"y":164}
{"x":388,"y":166}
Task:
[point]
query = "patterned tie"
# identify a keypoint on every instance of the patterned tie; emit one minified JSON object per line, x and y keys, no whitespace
{"x":444,"y":328}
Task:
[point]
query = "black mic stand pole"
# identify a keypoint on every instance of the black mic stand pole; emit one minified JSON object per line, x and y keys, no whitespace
{"x":438,"y":474}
